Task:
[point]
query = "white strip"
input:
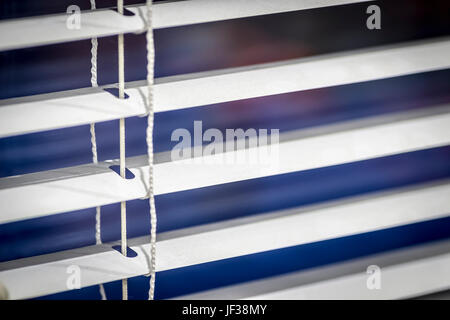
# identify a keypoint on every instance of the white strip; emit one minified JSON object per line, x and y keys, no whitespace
{"x":403,"y":274}
{"x":47,"y":274}
{"x":43,"y":30}
{"x":181,"y":13}
{"x":71,"y":108}
{"x":51,"y":29}
{"x":87,"y":186}
{"x":400,"y":282}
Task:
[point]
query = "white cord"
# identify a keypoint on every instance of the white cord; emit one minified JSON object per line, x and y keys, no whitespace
{"x":123,"y":204}
{"x":149,"y":140}
{"x":94,"y":47}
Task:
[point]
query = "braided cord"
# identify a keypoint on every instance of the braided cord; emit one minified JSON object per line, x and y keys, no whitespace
{"x":149,"y":140}
{"x":94,"y":83}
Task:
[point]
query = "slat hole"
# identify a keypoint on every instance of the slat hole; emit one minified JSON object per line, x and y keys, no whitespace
{"x":115,"y":92}
{"x":126,"y":12}
{"x":128,"y":174}
{"x":130,"y":252}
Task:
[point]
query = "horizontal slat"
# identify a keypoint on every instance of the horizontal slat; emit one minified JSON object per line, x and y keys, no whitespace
{"x":63,"y":109}
{"x":200,"y":11}
{"x":47,"y":274}
{"x":91,"y":185}
{"x":404,"y":274}
{"x":42,"y":30}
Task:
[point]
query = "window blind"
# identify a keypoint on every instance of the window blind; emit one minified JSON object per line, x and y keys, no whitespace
{"x":47,"y":193}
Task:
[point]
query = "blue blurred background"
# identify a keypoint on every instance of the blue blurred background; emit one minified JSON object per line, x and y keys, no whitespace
{"x":212,"y":46}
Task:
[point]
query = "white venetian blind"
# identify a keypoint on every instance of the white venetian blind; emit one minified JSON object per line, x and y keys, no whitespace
{"x":75,"y":188}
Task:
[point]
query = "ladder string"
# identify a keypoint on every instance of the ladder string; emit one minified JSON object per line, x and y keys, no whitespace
{"x":123,"y":204}
{"x":149,"y":140}
{"x":94,"y":83}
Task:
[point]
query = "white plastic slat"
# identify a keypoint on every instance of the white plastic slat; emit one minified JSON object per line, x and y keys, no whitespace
{"x":47,"y":274}
{"x":404,"y":274}
{"x":75,"y":188}
{"x":64,"y":109}
{"x":51,"y":29}
{"x":42,"y":30}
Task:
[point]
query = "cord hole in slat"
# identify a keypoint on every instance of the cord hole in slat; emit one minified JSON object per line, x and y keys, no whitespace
{"x":128,"y":174}
{"x":130,"y":252}
{"x":126,"y":12}
{"x":115,"y":92}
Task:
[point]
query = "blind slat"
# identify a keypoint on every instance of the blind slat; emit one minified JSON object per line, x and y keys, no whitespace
{"x":400,"y":271}
{"x":71,"y":108}
{"x":43,"y":30}
{"x":185,"y":247}
{"x":76,"y":188}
